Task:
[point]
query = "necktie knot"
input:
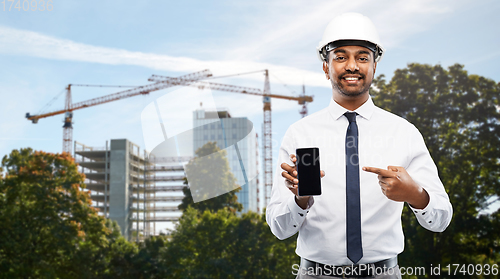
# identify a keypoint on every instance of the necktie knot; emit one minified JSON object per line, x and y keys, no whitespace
{"x":351,"y":116}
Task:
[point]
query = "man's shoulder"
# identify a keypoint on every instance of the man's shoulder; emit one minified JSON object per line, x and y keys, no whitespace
{"x":385,"y":115}
{"x":394,"y":122}
{"x":311,"y":118}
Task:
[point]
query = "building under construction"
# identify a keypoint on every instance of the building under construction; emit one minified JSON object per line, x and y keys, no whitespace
{"x":130,"y":187}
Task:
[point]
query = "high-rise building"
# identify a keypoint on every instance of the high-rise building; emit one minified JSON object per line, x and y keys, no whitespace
{"x":237,"y":136}
{"x":130,"y":187}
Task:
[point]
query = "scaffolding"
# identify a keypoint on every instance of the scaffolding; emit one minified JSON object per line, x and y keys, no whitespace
{"x":134,"y":189}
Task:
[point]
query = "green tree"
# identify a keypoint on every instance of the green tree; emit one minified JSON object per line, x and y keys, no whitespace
{"x":218,"y":170}
{"x":211,"y":241}
{"x":458,"y":116}
{"x":44,"y":214}
{"x":149,"y":262}
{"x":113,"y":258}
{"x":142,"y":262}
{"x":49,"y":229}
{"x":223,"y":245}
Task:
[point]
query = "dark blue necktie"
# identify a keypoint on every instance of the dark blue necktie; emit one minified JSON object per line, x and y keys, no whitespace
{"x":353,"y":208}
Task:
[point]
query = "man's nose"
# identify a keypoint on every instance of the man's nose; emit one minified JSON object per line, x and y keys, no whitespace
{"x":351,"y":65}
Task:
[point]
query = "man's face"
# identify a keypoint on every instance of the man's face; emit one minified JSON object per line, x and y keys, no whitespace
{"x":350,"y":70}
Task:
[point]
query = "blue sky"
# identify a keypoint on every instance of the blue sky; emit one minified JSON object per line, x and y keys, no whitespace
{"x":124,"y":42}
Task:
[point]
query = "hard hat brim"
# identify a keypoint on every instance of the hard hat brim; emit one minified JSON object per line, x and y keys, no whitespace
{"x":377,"y":50}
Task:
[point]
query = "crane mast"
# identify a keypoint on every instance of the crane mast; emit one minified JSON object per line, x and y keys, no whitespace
{"x":68,"y":123}
{"x":267,"y":140}
{"x":303,"y":110}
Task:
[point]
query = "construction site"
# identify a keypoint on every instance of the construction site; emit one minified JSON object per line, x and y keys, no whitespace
{"x":129,"y":187}
{"x":137,"y":189}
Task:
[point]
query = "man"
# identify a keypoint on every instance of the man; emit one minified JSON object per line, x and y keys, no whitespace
{"x":374,"y":162}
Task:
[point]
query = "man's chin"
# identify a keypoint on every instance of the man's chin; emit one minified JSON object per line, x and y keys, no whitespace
{"x":352,"y":94}
{"x":350,"y":91}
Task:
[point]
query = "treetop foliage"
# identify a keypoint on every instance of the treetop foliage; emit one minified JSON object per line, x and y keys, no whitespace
{"x":459,"y":117}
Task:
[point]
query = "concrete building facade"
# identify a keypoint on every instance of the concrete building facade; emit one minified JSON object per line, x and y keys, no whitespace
{"x":129,"y":187}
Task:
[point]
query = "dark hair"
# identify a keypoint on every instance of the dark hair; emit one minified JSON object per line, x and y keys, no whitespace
{"x":340,"y":43}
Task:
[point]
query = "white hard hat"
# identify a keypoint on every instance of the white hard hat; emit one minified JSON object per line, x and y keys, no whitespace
{"x":352,"y":28}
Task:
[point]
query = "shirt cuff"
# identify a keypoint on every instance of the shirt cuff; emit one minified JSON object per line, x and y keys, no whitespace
{"x":424,"y":214}
{"x":299,"y":214}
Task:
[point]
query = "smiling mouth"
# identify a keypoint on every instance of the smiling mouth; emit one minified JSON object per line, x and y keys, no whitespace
{"x":351,"y":78}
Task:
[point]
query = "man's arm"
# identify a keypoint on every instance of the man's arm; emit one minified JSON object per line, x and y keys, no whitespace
{"x":397,"y":185}
{"x":283,"y":214}
{"x":418,"y":185}
{"x":436,"y":216}
{"x":286,"y":211}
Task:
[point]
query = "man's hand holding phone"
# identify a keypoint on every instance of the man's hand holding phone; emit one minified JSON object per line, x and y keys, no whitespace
{"x":291,"y":181}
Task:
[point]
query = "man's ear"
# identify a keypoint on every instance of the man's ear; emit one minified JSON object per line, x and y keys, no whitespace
{"x":374,"y":68}
{"x":326,"y":70}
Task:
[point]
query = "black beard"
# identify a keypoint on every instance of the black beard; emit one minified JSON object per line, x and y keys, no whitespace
{"x":340,"y":89}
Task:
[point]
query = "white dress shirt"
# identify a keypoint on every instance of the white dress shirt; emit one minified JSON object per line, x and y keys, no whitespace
{"x":384,"y":140}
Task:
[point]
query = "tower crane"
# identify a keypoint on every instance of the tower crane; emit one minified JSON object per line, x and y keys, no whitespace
{"x":69,"y":107}
{"x":266,"y":98}
{"x":303,"y":110}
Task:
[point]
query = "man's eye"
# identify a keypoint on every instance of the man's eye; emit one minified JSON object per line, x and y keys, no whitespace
{"x":339,"y":58}
{"x":364,"y":59}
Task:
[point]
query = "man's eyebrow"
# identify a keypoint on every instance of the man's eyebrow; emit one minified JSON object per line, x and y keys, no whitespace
{"x":363,"y":52}
{"x":359,"y":52}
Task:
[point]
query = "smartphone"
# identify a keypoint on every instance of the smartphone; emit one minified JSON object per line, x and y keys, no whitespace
{"x":308,"y":171}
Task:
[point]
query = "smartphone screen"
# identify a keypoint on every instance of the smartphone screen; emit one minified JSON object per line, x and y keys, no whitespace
{"x":309,"y":173}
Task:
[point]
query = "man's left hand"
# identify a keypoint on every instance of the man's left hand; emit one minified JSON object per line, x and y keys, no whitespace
{"x":397,"y":185}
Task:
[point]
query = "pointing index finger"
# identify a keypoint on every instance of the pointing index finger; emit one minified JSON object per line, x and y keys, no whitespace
{"x":382,"y":172}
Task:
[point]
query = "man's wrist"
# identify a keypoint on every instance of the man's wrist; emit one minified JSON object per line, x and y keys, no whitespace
{"x":302,"y":201}
{"x":421,"y":199}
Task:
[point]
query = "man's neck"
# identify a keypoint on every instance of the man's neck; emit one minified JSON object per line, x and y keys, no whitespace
{"x":351,"y":103}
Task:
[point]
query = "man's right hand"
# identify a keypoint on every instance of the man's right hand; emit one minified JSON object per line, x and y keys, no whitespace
{"x":291,"y":181}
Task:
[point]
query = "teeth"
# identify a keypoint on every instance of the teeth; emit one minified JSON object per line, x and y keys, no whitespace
{"x":351,"y":78}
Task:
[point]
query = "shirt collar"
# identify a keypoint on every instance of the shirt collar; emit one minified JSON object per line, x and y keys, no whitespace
{"x":365,"y":110}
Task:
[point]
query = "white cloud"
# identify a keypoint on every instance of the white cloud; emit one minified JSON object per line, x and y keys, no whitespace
{"x":266,"y":37}
{"x":22,"y":42}
{"x":288,"y":25}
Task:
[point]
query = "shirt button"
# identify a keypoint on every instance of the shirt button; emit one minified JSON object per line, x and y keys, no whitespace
{"x":415,"y":211}
{"x":430,"y":222}
{"x":423,"y":213}
{"x":301,"y":215}
{"x":294,"y":226}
